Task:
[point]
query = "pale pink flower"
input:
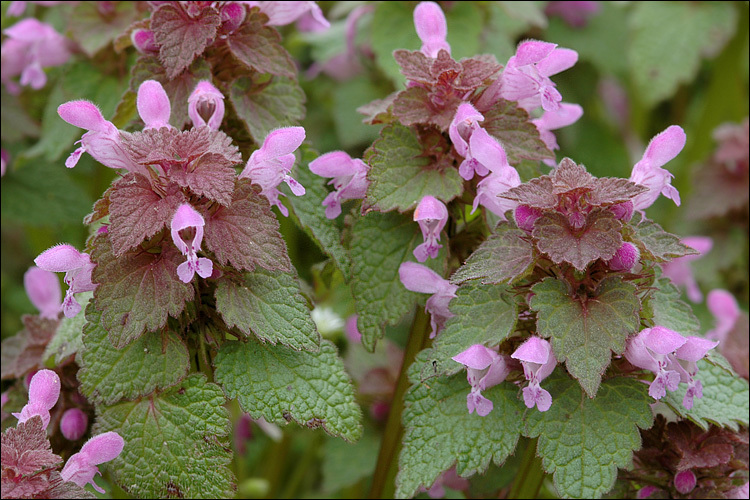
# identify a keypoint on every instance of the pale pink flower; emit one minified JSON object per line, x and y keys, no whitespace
{"x":538,"y":361}
{"x":31,"y":45}
{"x":82,"y":467}
{"x":308,"y":15}
{"x":206,"y":106}
{"x":153,"y":105}
{"x":488,"y":152}
{"x":648,"y":172}
{"x":43,"y":289}
{"x":678,"y":270}
{"x":44,"y":391}
{"x":461,"y":130}
{"x":566,"y":114}
{"x":77,"y":267}
{"x":431,"y":215}
{"x":420,"y":278}
{"x":349,"y":179}
{"x":725,"y":310}
{"x":432,"y":28}
{"x":685,"y":361}
{"x":575,"y":14}
{"x":73,"y":424}
{"x":186,"y":218}
{"x":650,"y":350}
{"x":485,"y":368}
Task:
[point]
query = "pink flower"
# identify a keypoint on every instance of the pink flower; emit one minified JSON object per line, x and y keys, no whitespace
{"x":526,"y":216}
{"x":488,"y":152}
{"x":685,"y":362}
{"x":625,"y":258}
{"x":678,"y":270}
{"x":232,"y":15}
{"x":144,"y":41}
{"x":538,"y":362}
{"x":449,"y":478}
{"x":734,"y":143}
{"x":206,"y":106}
{"x":73,"y":424}
{"x":684,"y":481}
{"x":351,"y":330}
{"x":270,"y":165}
{"x":650,"y":350}
{"x":82,"y":467}
{"x":485,"y":368}
{"x":344,"y":65}
{"x":526,"y":76}
{"x":431,"y":215}
{"x":566,"y":114}
{"x":419,"y":278}
{"x":102,"y":141}
{"x":153,"y":105}
{"x":739,"y":491}
{"x":31,"y":45}
{"x":44,"y":291}
{"x":648,"y":172}
{"x":16,"y":9}
{"x":575,"y":14}
{"x":77,"y":267}
{"x":186,"y":218}
{"x":44,"y":391}
{"x":432,"y":28}
{"x":724,"y":308}
{"x":349,"y":179}
{"x":462,"y":128}
{"x":308,"y":15}
{"x":4,"y":160}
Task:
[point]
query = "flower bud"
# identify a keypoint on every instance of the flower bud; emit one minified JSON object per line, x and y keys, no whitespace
{"x":625,"y":258}
{"x":684,"y":481}
{"x":526,"y":216}
{"x":73,"y":424}
{"x":623,"y":211}
{"x":144,"y":42}
{"x":232,"y":15}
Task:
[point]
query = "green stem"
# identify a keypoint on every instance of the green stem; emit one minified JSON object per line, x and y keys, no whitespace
{"x":204,"y":361}
{"x":302,"y":468}
{"x":528,"y":480}
{"x":383,"y":481}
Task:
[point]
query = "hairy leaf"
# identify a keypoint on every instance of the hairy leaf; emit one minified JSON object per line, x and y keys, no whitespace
{"x":68,"y":338}
{"x":270,"y":306}
{"x":157,"y":360}
{"x":536,"y":193}
{"x":585,"y":333}
{"x":175,"y":442}
{"x":259,"y":47}
{"x":210,"y":175}
{"x":281,"y":385}
{"x":512,"y":126}
{"x":25,"y":350}
{"x":138,"y":290}
{"x":655,"y":243}
{"x":611,"y":190}
{"x":26,"y":449}
{"x":670,"y":311}
{"x":583,"y":441}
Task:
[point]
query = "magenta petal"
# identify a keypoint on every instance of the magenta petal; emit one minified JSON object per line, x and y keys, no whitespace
{"x":533,"y":51}
{"x":283,"y":141}
{"x":185,"y":272}
{"x":333,"y":164}
{"x":684,"y":481}
{"x":103,"y":448}
{"x":44,"y":389}
{"x":488,"y":150}
{"x":72,"y":160}
{"x":61,"y":258}
{"x":558,"y":60}
{"x":665,"y":146}
{"x":83,"y":114}
{"x":73,"y":424}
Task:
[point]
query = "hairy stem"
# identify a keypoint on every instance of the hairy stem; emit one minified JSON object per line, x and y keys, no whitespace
{"x":530,"y":475}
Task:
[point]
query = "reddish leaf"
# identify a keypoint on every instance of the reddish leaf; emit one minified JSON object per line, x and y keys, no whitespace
{"x":64,"y":489}
{"x":246,"y":233}
{"x":718,"y":191}
{"x":512,"y":126}
{"x":415,"y":66}
{"x":137,"y":212}
{"x":259,"y":47}
{"x":26,"y":449}
{"x":24,"y":351}
{"x":211,"y":175}
{"x":24,"y":487}
{"x":412,"y":106}
{"x":569,"y":176}
{"x":101,"y":208}
{"x":182,"y":38}
{"x":536,"y":193}
{"x":476,"y":70}
{"x":379,"y":110}
{"x":611,"y":190}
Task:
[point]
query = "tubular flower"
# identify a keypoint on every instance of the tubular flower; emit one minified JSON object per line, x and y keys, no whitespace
{"x":651,"y":350}
{"x":82,"y":467}
{"x":485,"y":368}
{"x":648,"y":172}
{"x":44,"y":391}
{"x":490,"y":153}
{"x":153,"y":105}
{"x":724,"y":308}
{"x":308,"y":15}
{"x":566,"y":114}
{"x":77,"y":267}
{"x":349,"y":179}
{"x":270,"y":165}
{"x":419,"y":278}
{"x":679,"y":272}
{"x":31,"y":45}
{"x":685,"y":361}
{"x":432,"y":28}
{"x":538,"y":362}
{"x":463,"y":128}
{"x":206,"y":106}
{"x":431,"y":215}
{"x":186,"y":218}
{"x":43,"y":290}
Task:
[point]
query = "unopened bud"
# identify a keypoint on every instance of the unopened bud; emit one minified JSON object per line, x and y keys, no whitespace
{"x":144,"y":42}
{"x":526,"y":216}
{"x":73,"y":424}
{"x":684,"y":481}
{"x":625,"y":258}
{"x":623,"y":211}
{"x":232,"y":15}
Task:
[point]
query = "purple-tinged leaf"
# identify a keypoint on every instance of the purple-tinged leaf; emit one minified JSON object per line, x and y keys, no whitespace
{"x":24,"y":351}
{"x":599,"y":238}
{"x":137,"y":212}
{"x":259,"y":47}
{"x":379,"y":110}
{"x":655,"y":243}
{"x":415,"y":66}
{"x":569,"y":176}
{"x":475,"y":71}
{"x":26,"y":449}
{"x":612,"y":190}
{"x":512,"y":126}
{"x":101,"y":208}
{"x":537,"y":193}
{"x":64,"y":489}
{"x":211,"y":175}
{"x":245,"y":234}
{"x":138,"y":290}
{"x":182,"y":38}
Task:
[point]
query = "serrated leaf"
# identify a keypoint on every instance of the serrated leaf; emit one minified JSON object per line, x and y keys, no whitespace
{"x":68,"y":338}
{"x":600,"y":238}
{"x":655,"y":243}
{"x":157,"y":360}
{"x":512,"y":126}
{"x":725,"y":399}
{"x":259,"y":47}
{"x":484,"y":314}
{"x":611,"y":190}
{"x":246,"y":234}
{"x":182,"y":38}
{"x":26,"y":449}
{"x":277,"y":103}
{"x":211,"y":175}
{"x":506,"y":256}
{"x":270,"y":306}
{"x":670,"y":311}
{"x":440,"y":432}
{"x":400,"y":175}
{"x":668,"y":41}
{"x":175,"y":442}
{"x":583,"y":441}
{"x":584,"y":334}
{"x":93,"y":31}
{"x":138,"y":290}
{"x":378,"y":293}
{"x":536,"y":193}
{"x":280,"y":385}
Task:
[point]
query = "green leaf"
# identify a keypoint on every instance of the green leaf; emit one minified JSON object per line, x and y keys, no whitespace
{"x":439,"y":431}
{"x":400,"y":175}
{"x":281,"y":385}
{"x":269,"y":305}
{"x":584,"y":334}
{"x":725,"y":398}
{"x":583,"y":441}
{"x":512,"y":126}
{"x":94,"y":31}
{"x":484,"y":314}
{"x":655,"y":243}
{"x":378,"y":293}
{"x":258,"y":46}
{"x":157,"y":360}
{"x":138,"y":290}
{"x":279,"y":102}
{"x":68,"y":338}
{"x":505,"y":256}
{"x":670,"y":311}
{"x":668,"y":41}
{"x":175,"y":443}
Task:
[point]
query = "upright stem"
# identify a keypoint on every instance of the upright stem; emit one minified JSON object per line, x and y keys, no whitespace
{"x":528,"y":480}
{"x":383,"y":482}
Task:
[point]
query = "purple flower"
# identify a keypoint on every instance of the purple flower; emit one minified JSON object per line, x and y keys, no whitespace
{"x":431,"y":215}
{"x":308,"y":15}
{"x":678,"y":270}
{"x":625,"y":258}
{"x":490,"y":153}
{"x":73,"y":424}
{"x":44,"y":391}
{"x":16,"y":9}
{"x":566,"y":114}
{"x":31,"y":45}
{"x":485,"y":368}
{"x":144,"y":41}
{"x":270,"y":165}
{"x":419,"y":278}
{"x":102,"y":141}
{"x":82,"y":467}
{"x":186,"y":218}
{"x":349,"y":179}
{"x":538,"y":362}
{"x":344,"y":65}
{"x":206,"y":106}
{"x":684,"y":481}
{"x":526,"y":216}
{"x":650,"y":350}
{"x":685,"y":361}
{"x":575,"y":14}
{"x":462,"y":128}
{"x":726,"y":312}
{"x":351,"y":330}
{"x":648,"y":172}
{"x":43,"y":289}
{"x":526,"y":76}
{"x":432,"y":28}
{"x":153,"y":105}
{"x":77,"y":267}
